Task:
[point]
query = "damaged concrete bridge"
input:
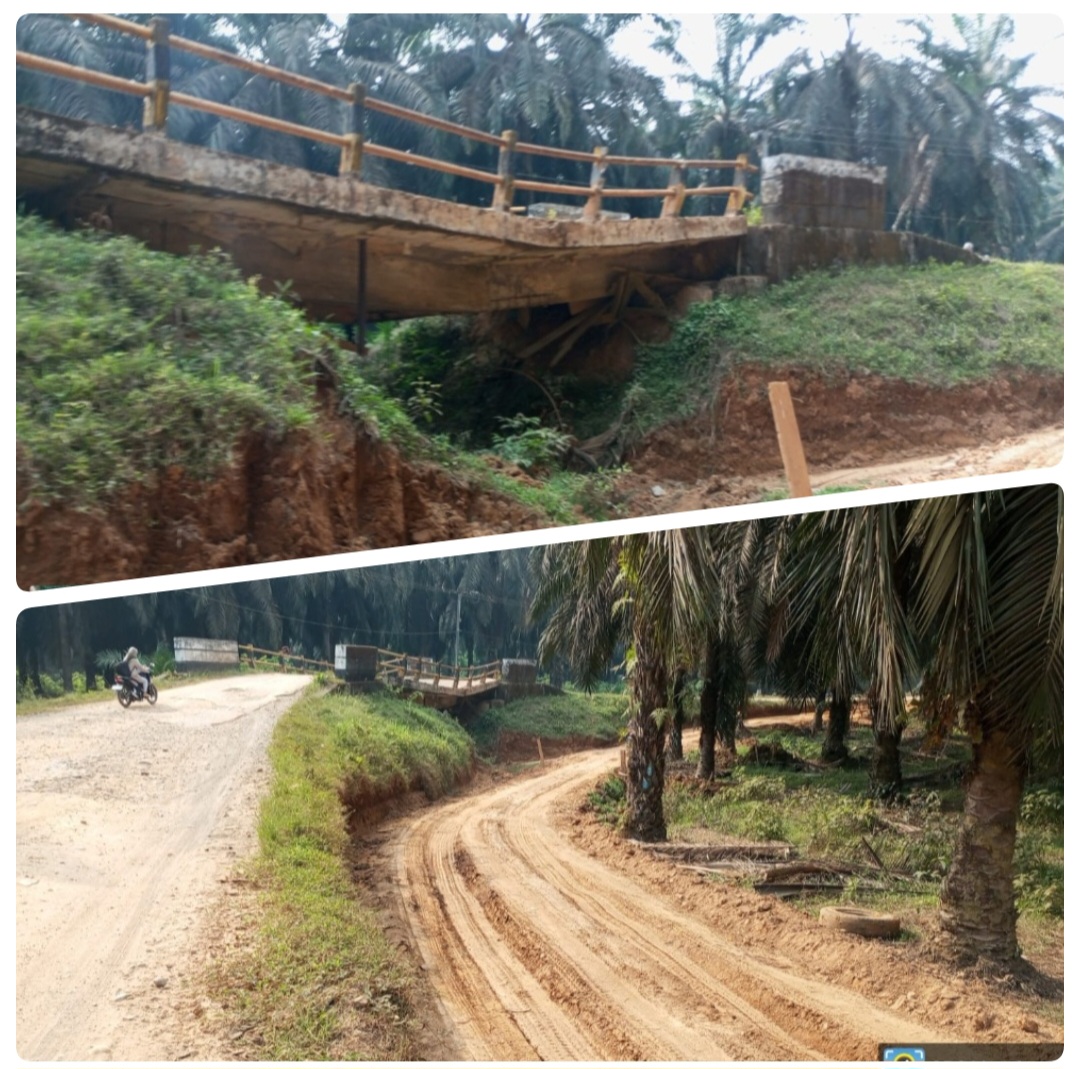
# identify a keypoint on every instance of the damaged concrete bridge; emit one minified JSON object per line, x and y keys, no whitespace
{"x":350,"y":249}
{"x":341,"y":242}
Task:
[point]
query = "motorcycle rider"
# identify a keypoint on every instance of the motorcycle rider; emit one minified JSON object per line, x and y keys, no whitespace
{"x":131,"y":666}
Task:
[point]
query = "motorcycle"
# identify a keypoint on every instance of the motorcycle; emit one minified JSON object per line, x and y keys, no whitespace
{"x":127,"y":690}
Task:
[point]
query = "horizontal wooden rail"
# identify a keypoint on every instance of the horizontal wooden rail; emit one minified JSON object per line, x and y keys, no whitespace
{"x":282,"y":656}
{"x":430,"y":162}
{"x":281,"y":126}
{"x":551,"y":187}
{"x":59,"y":69}
{"x":111,"y":22}
{"x":352,"y":142}
{"x":629,"y":161}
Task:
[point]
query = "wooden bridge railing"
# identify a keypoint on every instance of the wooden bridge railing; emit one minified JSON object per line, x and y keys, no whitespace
{"x":392,"y":668}
{"x":401,"y":669}
{"x":283,"y":659}
{"x":158,"y":95}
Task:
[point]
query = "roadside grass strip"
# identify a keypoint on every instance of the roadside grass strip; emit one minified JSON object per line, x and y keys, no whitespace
{"x":319,"y":978}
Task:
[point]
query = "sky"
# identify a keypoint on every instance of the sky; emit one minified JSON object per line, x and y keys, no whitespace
{"x":1041,"y":36}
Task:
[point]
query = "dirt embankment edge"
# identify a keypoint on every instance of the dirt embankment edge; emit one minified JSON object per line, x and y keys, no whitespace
{"x":329,"y":490}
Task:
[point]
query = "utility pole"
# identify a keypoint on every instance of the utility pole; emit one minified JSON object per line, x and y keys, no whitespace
{"x":457,"y":629}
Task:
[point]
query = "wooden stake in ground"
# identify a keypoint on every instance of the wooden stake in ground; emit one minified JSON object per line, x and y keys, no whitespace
{"x":787,"y":433}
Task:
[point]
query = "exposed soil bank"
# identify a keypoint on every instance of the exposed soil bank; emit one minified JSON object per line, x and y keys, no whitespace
{"x":329,"y":491}
{"x":335,"y":490}
{"x":728,"y":454}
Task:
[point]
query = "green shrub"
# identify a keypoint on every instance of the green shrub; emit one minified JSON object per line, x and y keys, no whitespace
{"x":128,"y":362}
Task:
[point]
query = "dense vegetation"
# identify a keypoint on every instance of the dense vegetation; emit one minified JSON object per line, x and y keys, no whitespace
{"x":475,"y":604}
{"x":971,"y":155}
{"x":130,"y":362}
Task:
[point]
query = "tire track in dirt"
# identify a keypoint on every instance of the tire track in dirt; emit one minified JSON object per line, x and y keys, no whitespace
{"x":538,"y":950}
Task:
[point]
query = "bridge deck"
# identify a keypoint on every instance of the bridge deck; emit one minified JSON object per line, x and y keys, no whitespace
{"x":425,"y":256}
{"x":444,"y":685}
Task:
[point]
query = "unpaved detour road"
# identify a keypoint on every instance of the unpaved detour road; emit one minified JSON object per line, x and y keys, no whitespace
{"x":125,"y":822}
{"x":536,"y":949}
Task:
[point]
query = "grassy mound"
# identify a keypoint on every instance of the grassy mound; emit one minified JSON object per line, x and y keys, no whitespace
{"x":935,"y":324}
{"x":130,"y":362}
{"x":553,"y":716}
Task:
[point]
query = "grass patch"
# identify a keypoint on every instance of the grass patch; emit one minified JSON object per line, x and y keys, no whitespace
{"x":26,"y":706}
{"x":319,"y":979}
{"x":128,"y":361}
{"x":829,"y":816}
{"x":608,"y":800}
{"x":936,"y":324}
{"x":553,"y":716}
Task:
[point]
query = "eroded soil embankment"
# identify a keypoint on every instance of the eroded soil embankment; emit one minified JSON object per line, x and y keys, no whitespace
{"x":329,"y":491}
{"x":848,"y":423}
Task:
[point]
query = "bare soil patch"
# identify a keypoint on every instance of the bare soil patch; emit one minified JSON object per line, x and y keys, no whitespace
{"x":544,"y":935}
{"x":857,"y":432}
{"x":331,"y":491}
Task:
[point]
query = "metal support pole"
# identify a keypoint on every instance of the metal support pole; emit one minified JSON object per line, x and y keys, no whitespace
{"x":361,"y":297}
{"x":457,"y":629}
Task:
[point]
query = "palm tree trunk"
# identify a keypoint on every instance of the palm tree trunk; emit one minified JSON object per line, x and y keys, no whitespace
{"x":675,"y":747}
{"x":727,"y":718}
{"x":834,"y":748}
{"x":645,"y":744}
{"x":978,"y":909}
{"x":63,"y":630}
{"x":886,"y":778}
{"x":819,"y":711}
{"x":710,"y":699}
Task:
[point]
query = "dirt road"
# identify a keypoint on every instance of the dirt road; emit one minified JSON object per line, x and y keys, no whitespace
{"x":689,"y":489}
{"x":538,"y":950}
{"x":125,"y":822}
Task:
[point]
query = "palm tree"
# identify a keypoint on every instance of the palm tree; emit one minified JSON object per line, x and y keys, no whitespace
{"x":857,"y":106}
{"x":650,"y":591}
{"x":731,"y":110}
{"x":850,"y":584}
{"x":998,"y":145}
{"x":82,"y":45}
{"x":991,"y":602}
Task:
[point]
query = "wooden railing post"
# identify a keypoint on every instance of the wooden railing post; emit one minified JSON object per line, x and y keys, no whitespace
{"x":352,"y":152}
{"x":596,"y":186}
{"x":156,"y":105}
{"x":737,"y":197}
{"x":676,"y":193}
{"x":503,"y":197}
